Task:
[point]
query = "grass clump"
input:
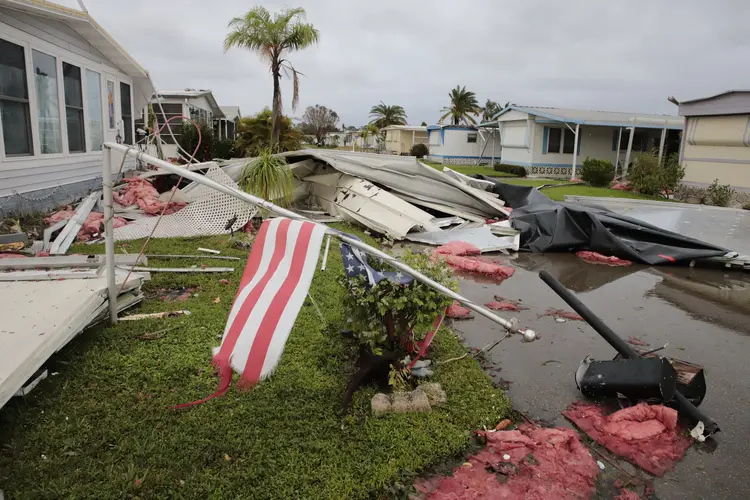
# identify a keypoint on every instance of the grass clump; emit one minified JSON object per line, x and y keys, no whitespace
{"x":102,"y":427}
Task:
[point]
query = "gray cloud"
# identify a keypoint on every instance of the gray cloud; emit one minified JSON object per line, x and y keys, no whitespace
{"x":626,"y":56}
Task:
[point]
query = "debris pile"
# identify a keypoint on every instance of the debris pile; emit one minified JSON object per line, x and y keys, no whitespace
{"x":528,"y":463}
{"x":140,"y":192}
{"x":455,"y":255}
{"x":647,"y":436}
{"x":597,"y":258}
{"x":91,"y":228}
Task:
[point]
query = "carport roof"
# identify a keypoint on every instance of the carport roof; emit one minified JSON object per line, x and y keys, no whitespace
{"x":600,"y":118}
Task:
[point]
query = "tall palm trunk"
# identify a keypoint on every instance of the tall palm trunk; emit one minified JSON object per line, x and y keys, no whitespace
{"x":276,"y":113}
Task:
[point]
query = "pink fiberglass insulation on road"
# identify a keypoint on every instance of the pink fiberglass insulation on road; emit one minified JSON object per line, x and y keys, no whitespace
{"x":454,"y":254}
{"x":91,"y":226}
{"x":140,"y":191}
{"x":561,"y":313}
{"x":644,"y":435}
{"x":457,"y":311}
{"x":457,"y":248}
{"x":597,"y":258}
{"x":500,"y":304}
{"x":530,"y":463}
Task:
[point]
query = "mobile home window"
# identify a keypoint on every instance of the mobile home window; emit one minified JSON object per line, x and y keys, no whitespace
{"x":434,"y":136}
{"x":14,"y":100}
{"x":164,"y":112}
{"x":74,"y":108}
{"x":47,"y":102}
{"x":127,"y":112}
{"x":94,"y":103}
{"x":555,"y":140}
{"x":471,"y":137}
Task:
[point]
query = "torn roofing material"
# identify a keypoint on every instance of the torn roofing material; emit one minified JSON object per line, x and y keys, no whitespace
{"x":406,"y":175}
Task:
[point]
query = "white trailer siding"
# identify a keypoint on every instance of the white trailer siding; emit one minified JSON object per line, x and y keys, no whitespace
{"x":35,"y":176}
{"x":452,"y":145}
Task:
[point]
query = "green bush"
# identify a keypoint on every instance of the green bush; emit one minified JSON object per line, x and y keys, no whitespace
{"x":719,"y":195}
{"x":188,"y":140}
{"x":510,"y":169}
{"x":598,"y":173}
{"x":224,"y":149}
{"x":419,"y":150}
{"x":647,"y":176}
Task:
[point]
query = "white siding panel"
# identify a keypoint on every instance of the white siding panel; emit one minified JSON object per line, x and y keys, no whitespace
{"x":51,"y":31}
{"x":43,"y":174}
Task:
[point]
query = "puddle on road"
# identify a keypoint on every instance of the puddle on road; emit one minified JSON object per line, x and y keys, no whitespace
{"x":704,"y":314}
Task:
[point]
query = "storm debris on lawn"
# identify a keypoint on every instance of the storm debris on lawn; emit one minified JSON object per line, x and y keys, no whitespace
{"x":597,"y":258}
{"x":138,"y":191}
{"x":647,"y":436}
{"x":423,"y":398}
{"x":531,"y":463}
{"x":457,"y":311}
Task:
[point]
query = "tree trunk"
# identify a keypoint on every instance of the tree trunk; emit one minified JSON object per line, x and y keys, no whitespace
{"x":276,"y":113}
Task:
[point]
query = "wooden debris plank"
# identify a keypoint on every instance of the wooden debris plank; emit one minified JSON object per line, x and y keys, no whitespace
{"x":50,"y":231}
{"x":183,"y":269}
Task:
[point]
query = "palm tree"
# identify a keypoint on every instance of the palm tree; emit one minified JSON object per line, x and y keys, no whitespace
{"x":366,"y":132}
{"x":463,"y":105}
{"x":384,"y":115}
{"x":272,"y":39}
{"x":490,"y":110}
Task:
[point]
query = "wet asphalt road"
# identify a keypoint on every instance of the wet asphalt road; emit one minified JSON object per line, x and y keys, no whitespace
{"x":703,"y":313}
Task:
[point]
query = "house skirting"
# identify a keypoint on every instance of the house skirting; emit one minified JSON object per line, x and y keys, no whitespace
{"x":546,"y":169}
{"x":45,"y":200}
{"x":461,"y":160}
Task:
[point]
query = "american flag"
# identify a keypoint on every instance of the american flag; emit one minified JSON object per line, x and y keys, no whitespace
{"x":355,"y":264}
{"x":274,"y":285}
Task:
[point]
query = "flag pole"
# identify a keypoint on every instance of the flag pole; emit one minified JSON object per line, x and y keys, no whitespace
{"x":510,"y":325}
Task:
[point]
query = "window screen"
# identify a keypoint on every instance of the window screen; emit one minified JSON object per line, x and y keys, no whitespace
{"x":14,"y":100}
{"x":127,"y":113}
{"x":74,"y":108}
{"x":164,"y":112}
{"x":568,"y":142}
{"x":48,"y":104}
{"x":94,"y":103}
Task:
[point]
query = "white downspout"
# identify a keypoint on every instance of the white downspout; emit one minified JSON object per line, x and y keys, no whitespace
{"x":627,"y":153}
{"x":661,"y":143}
{"x":617,"y":156}
{"x":575,"y":152}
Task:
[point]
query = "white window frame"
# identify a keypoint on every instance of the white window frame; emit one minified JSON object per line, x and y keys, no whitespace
{"x":475,"y":135}
{"x":29,"y":43}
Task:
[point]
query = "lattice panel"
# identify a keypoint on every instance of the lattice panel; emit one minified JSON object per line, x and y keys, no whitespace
{"x":207,"y":215}
{"x":563,"y":172}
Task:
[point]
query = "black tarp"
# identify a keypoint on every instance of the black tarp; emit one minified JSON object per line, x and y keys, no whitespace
{"x":551,"y":226}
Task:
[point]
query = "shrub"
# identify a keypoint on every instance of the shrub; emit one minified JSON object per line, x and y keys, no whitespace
{"x":188,"y":140}
{"x":268,"y":177}
{"x":419,"y":150}
{"x":648,"y":177}
{"x":385,"y":316}
{"x":224,"y":149}
{"x":510,"y":169}
{"x":599,"y":173}
{"x":719,"y":194}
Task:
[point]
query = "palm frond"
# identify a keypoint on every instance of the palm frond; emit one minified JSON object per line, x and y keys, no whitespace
{"x":268,"y":177}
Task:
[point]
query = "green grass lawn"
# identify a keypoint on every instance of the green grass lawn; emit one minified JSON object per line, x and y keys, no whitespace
{"x":468,"y":169}
{"x":102,"y":427}
{"x":558,"y":193}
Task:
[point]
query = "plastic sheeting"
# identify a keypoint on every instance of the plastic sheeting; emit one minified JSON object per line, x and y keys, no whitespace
{"x":549,"y":226}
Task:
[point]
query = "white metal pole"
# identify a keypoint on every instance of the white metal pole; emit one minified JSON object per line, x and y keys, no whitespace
{"x":511,"y":325}
{"x":109,"y":243}
{"x":575,"y":152}
{"x":617,"y":156}
{"x":493,"y":148}
{"x":627,"y":153}
{"x":661,"y":143}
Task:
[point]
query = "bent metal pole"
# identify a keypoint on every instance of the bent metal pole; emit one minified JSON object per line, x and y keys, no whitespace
{"x":510,"y":325}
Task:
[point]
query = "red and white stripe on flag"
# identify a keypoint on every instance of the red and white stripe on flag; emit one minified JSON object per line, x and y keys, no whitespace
{"x":273,"y":288}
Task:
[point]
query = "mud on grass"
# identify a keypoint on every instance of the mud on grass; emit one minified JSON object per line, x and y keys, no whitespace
{"x":102,"y":427}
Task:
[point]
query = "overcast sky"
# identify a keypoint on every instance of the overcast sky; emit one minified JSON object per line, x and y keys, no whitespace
{"x":589,"y":54}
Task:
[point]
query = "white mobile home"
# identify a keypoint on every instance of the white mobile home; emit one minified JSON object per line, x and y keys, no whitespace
{"x":399,"y":139}
{"x":227,"y":127}
{"x":66,"y":87}
{"x":199,"y":105}
{"x":462,"y":145}
{"x":555,"y":141}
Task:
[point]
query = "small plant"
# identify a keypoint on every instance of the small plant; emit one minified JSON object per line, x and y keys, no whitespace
{"x":224,"y":149}
{"x":719,"y":195}
{"x":510,"y":169}
{"x":598,"y":173}
{"x":268,"y":177}
{"x":419,"y":150}
{"x":647,"y":176}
